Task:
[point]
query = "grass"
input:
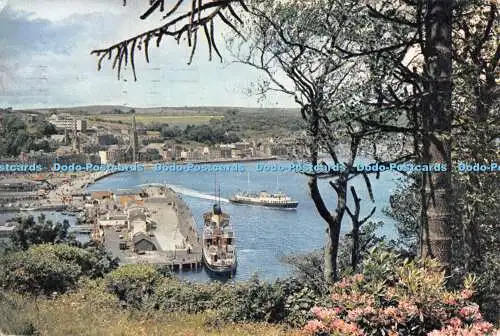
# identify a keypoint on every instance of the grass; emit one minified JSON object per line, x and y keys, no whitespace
{"x":95,"y":314}
{"x":148,"y":119}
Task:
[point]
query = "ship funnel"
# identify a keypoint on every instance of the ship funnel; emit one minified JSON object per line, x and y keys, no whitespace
{"x":217,"y":209}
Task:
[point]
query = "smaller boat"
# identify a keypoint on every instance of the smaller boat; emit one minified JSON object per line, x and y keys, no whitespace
{"x":219,"y":252}
{"x":28,"y":209}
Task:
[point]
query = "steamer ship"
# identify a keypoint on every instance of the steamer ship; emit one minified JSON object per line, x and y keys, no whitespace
{"x":219,"y":249}
{"x":276,"y":200}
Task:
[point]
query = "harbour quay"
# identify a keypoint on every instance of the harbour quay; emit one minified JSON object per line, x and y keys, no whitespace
{"x":153,"y":226}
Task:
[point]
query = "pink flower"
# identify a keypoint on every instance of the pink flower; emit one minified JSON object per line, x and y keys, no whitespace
{"x":315,"y":310}
{"x":345,"y":328}
{"x":391,"y":311}
{"x":355,"y":314}
{"x":343,"y":284}
{"x":359,"y":277}
{"x":408,"y":308}
{"x":483,"y":327}
{"x":455,"y":322}
{"x":471,"y":313}
{"x":478,"y":329}
{"x":314,"y":326}
{"x":466,"y":294}
{"x":324,"y":314}
{"x":450,"y":301}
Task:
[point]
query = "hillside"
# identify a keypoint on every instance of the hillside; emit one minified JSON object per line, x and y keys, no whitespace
{"x":210,"y":110}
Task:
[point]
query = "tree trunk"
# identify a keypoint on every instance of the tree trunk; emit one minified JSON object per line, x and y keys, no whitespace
{"x":437,"y":120}
{"x":355,"y":245}
{"x":332,"y":230}
{"x":331,"y":252}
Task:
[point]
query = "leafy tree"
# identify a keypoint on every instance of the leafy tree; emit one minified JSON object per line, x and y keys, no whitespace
{"x":404,"y":208}
{"x":303,"y":57}
{"x":170,"y":132}
{"x":475,"y":106}
{"x":17,"y":138}
{"x":476,"y":136}
{"x":29,"y":232}
{"x":13,"y":123}
{"x":44,"y":128}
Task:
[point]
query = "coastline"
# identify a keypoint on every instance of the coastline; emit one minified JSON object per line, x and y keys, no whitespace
{"x":52,"y":200}
{"x":240,"y":160}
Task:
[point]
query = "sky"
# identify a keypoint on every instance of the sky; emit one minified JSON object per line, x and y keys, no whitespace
{"x":45,"y":61}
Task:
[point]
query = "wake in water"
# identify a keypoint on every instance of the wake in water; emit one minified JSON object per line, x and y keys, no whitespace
{"x":189,"y":192}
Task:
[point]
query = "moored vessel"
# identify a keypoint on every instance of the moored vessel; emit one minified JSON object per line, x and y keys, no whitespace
{"x":219,"y":249}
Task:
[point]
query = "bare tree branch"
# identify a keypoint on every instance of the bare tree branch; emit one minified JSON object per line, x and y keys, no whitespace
{"x":201,"y":14}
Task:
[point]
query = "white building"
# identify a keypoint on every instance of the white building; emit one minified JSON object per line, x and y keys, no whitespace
{"x":103,"y":155}
{"x":67,"y":123}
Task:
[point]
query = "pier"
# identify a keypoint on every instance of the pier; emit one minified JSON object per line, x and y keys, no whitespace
{"x":159,"y":229}
{"x":81,"y":229}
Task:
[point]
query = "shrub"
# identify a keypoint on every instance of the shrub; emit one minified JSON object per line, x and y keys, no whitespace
{"x":299,"y":301}
{"x":413,"y":300}
{"x":287,"y":301}
{"x":254,"y":301}
{"x":44,"y":269}
{"x":133,"y":284}
{"x":175,"y":295}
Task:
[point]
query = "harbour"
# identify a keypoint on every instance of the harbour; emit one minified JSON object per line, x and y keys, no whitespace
{"x":175,"y":222}
{"x":265,"y":235}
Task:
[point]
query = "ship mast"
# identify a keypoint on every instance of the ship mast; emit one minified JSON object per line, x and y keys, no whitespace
{"x":215,"y":187}
{"x":219,"y":196}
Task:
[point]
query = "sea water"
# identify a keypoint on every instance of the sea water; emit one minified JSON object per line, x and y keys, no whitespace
{"x":264,"y":236}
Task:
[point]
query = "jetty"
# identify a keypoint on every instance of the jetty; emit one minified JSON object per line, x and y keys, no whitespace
{"x":154,"y":226}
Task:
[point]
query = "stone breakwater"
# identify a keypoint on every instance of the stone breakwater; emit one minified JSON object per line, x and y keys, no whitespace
{"x":187,"y":223}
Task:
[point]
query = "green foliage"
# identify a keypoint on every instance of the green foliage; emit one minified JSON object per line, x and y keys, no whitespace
{"x":233,"y":127}
{"x":29,"y":232}
{"x":17,"y":138}
{"x":405,"y":209}
{"x":144,"y":288}
{"x":210,"y":134}
{"x":174,"y":295}
{"x":89,"y":311}
{"x":308,"y":270}
{"x":44,"y":269}
{"x":43,"y":128}
{"x":283,"y":301}
{"x":299,"y":301}
{"x":255,"y":301}
{"x":308,"y":267}
{"x":133,"y":284}
{"x":170,"y":132}
{"x":379,"y":267}
{"x":367,"y":241}
{"x":475,"y":240}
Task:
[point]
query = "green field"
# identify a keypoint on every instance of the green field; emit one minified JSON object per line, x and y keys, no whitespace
{"x":148,"y":119}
